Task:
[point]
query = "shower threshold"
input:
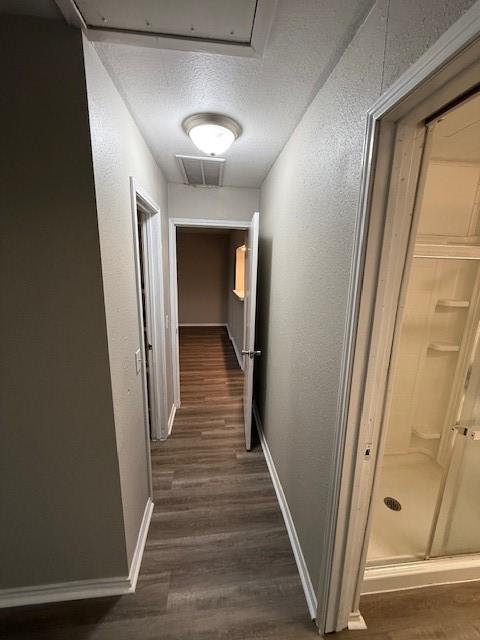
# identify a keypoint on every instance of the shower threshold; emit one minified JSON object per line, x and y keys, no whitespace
{"x":423,"y":573}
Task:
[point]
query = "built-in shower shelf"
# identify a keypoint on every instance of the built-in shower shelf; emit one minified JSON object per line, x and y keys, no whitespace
{"x":445,"y":347}
{"x":424,"y":435}
{"x":453,"y":304}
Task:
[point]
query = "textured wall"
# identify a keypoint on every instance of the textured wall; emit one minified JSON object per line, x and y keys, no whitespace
{"x":202,"y":270}
{"x":234,"y":203}
{"x":119,"y":152}
{"x":60,"y":502}
{"x":308,"y":207}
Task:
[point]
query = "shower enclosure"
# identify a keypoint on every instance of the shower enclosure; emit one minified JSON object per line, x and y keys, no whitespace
{"x":427,"y":497}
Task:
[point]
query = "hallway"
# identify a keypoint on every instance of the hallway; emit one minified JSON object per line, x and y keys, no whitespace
{"x":217,"y":527}
{"x":218,"y":562}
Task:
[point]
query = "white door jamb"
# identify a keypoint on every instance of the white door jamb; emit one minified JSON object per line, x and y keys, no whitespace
{"x":172,"y":240}
{"x":153,"y":267}
{"x":451,"y":55}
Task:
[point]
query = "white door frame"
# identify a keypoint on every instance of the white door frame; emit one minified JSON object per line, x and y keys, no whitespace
{"x":172,"y":244}
{"x":154,"y":293}
{"x":381,"y":244}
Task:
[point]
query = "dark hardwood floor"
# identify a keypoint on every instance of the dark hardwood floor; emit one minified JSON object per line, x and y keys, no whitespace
{"x":446,"y":612}
{"x":217,"y":562}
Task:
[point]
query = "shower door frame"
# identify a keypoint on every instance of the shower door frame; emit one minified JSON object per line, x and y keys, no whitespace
{"x":392,"y":159}
{"x":391,"y":576}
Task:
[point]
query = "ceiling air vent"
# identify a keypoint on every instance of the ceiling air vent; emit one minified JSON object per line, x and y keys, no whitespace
{"x":202,"y":170}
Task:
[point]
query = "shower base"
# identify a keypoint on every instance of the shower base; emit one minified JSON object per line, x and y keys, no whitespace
{"x":399,"y":538}
{"x":402,"y":535}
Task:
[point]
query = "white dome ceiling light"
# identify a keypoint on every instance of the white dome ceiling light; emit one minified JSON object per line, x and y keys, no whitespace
{"x":212,"y":133}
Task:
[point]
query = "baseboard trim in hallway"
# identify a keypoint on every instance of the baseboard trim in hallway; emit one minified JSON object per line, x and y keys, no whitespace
{"x":60,"y":591}
{"x":237,"y":353}
{"x":140,"y":546}
{"x":81,"y":589}
{"x":308,"y":590}
{"x":171,"y":418}
{"x":202,"y":324}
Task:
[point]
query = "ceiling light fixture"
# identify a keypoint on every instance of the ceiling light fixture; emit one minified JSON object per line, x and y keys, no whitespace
{"x":212,"y":133}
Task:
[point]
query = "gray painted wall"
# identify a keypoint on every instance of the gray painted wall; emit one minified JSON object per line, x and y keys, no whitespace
{"x":202,"y":271}
{"x":119,"y":151}
{"x":225,"y":203}
{"x":60,"y":504}
{"x":308,"y":207}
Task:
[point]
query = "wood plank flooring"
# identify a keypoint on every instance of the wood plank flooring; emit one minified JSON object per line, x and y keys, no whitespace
{"x":217,"y":562}
{"x":446,"y":612}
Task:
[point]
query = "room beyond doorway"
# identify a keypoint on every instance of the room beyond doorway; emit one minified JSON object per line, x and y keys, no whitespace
{"x":213,"y":276}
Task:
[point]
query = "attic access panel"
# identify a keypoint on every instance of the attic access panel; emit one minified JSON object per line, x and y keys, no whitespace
{"x":229,"y":27}
{"x":206,"y":19}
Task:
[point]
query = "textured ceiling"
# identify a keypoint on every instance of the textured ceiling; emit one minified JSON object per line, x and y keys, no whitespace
{"x":266,"y":95}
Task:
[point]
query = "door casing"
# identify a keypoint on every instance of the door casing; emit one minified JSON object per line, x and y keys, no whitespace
{"x":154,"y":292}
{"x":392,"y":155}
{"x":174,"y":223}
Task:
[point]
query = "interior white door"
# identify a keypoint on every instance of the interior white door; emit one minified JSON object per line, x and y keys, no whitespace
{"x":249,"y":341}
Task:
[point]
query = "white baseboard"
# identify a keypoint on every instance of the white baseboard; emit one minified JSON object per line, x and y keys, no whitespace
{"x":235,"y":348}
{"x":171,"y":418}
{"x":80,"y":589}
{"x":140,"y":546}
{"x":310,"y":596}
{"x":60,"y":591}
{"x":202,"y":324}
{"x":356,"y":621}
{"x":425,"y":573}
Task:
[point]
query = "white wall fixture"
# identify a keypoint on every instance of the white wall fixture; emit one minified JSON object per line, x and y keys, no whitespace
{"x":212,"y":133}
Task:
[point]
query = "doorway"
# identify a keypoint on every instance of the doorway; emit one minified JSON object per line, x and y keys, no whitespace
{"x":150,"y":359}
{"x":398,"y":155}
{"x":425,"y":504}
{"x":146,"y":314}
{"x":240,"y":269}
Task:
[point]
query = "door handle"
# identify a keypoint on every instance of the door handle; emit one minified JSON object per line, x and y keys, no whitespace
{"x":469,"y":432}
{"x":251,"y":354}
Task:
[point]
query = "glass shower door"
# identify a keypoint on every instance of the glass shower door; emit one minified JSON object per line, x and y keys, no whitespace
{"x":427,"y":497}
{"x":456,"y":525}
